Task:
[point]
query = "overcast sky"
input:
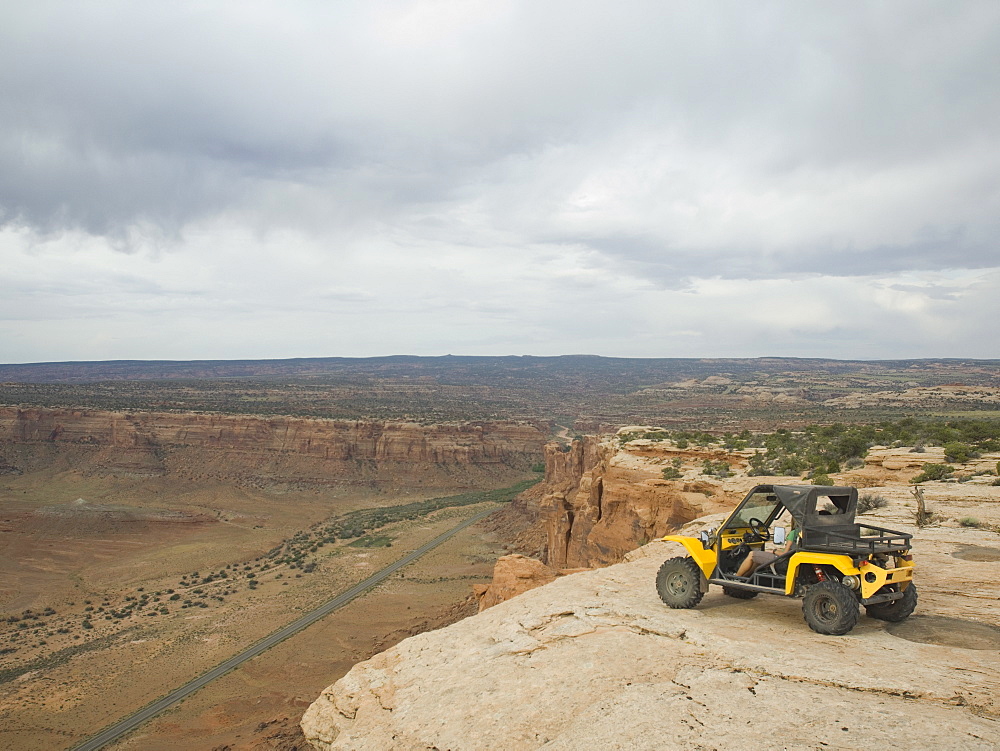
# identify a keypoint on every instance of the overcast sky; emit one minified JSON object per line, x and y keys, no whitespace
{"x":187,"y":180}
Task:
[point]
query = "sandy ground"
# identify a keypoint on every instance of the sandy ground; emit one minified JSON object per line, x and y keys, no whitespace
{"x":259,"y":705}
{"x":84,"y":548}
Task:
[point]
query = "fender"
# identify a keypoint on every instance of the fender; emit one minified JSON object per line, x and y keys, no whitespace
{"x":842,"y":563}
{"x":872,"y":577}
{"x":706,"y":559}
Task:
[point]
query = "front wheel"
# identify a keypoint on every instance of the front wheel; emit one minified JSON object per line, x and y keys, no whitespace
{"x":678,"y":582}
{"x":897,"y":610}
{"x":830,"y":608}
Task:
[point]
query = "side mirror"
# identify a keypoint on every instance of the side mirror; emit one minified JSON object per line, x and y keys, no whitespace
{"x":704,"y":537}
{"x":779,"y":535}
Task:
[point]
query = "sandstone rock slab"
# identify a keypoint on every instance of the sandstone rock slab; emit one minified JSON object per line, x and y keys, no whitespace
{"x":595,"y":660}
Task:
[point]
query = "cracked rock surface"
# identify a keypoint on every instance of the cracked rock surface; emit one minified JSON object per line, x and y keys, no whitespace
{"x":594,"y":660}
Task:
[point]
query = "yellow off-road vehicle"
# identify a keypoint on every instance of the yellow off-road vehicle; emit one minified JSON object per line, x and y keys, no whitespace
{"x":830,"y":563}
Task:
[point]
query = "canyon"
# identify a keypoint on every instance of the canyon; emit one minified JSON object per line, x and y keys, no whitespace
{"x":112,"y":491}
{"x":138,"y":548}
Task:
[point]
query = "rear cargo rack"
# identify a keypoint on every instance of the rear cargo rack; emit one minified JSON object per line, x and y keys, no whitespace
{"x":850,"y":542}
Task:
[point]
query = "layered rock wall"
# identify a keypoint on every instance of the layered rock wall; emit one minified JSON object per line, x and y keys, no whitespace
{"x":599,"y":501}
{"x":239,"y":445}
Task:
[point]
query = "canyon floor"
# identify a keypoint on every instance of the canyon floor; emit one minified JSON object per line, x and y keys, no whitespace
{"x":107,"y":581}
{"x":595,"y":660}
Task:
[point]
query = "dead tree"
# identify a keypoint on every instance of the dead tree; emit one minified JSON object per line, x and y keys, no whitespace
{"x":924,"y":517}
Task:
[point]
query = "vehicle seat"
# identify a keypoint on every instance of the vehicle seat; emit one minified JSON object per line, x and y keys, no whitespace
{"x":772,"y":574}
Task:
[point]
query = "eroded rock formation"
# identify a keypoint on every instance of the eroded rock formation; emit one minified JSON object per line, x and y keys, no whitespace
{"x":601,"y":500}
{"x":513,"y":575}
{"x":262,"y":449}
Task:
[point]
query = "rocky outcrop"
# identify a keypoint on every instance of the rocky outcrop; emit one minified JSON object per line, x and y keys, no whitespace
{"x":922,"y":396}
{"x":910,"y":462}
{"x":903,"y":457}
{"x":235,"y":447}
{"x":595,"y":660}
{"x":513,"y":575}
{"x":600,"y":499}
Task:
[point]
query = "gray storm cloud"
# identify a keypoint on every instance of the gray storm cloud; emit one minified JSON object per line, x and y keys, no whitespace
{"x":644,"y":145}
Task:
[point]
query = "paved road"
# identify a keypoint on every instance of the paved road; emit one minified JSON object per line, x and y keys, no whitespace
{"x":133,"y":721}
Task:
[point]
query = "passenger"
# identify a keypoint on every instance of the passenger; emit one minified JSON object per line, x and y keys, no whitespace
{"x":758,"y":558}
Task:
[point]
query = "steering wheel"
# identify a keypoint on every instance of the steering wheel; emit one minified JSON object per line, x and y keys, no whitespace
{"x":759,"y":529}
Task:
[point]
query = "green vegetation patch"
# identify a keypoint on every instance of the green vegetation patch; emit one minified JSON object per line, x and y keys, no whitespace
{"x":821,"y":450}
{"x":361,"y":521}
{"x":372,"y":541}
{"x":825,"y":449}
{"x":62,"y":656}
{"x":296,"y":550}
{"x":933,"y":471}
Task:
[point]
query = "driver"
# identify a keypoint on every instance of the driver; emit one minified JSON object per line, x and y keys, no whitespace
{"x":758,"y":558}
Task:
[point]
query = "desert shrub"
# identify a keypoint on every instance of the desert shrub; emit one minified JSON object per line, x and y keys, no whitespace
{"x":671,"y":473}
{"x":822,"y":479}
{"x":918,"y":449}
{"x":540,"y":467}
{"x":969,"y":521}
{"x":758,"y":464}
{"x":718,"y":469}
{"x":933,"y":471}
{"x":735,"y":443}
{"x":868,"y":502}
{"x":956,"y":451}
{"x":791,"y":465}
{"x":855,"y":462}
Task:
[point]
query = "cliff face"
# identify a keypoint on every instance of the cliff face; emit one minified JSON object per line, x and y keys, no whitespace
{"x":601,"y":500}
{"x":235,"y":447}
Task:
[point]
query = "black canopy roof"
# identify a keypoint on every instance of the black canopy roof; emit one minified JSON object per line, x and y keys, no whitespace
{"x":807,"y":502}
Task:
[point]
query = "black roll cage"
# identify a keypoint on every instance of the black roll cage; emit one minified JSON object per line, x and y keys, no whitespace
{"x":826,"y":529}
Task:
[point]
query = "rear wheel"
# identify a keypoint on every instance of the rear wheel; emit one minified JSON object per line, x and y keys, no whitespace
{"x":739,"y":594}
{"x":898,"y":610}
{"x":830,"y":608}
{"x":678,"y":582}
